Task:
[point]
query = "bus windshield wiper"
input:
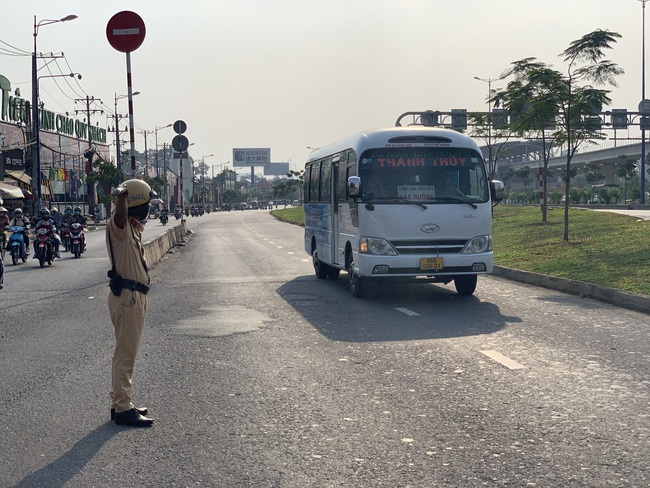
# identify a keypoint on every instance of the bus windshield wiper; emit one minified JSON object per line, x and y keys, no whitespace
{"x":456,"y":200}
{"x":404,"y":200}
{"x":370,"y":199}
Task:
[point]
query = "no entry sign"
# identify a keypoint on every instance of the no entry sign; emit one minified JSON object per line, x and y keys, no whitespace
{"x":125,"y":31}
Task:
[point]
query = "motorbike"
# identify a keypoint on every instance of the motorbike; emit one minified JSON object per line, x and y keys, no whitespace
{"x":164,"y":218}
{"x":16,"y":244}
{"x":45,"y":245}
{"x":208,"y":209}
{"x":187,"y":211}
{"x":201,"y":211}
{"x":65,"y":237}
{"x":77,"y":241}
{"x":177,"y":213}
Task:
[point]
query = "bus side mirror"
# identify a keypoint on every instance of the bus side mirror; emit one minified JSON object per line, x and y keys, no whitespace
{"x":497,"y":190}
{"x":354,"y":186}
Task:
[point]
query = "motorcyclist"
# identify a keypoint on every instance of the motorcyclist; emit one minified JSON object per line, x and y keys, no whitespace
{"x":4,"y":223}
{"x":165,"y":212}
{"x":78,"y":218}
{"x":46,"y":219}
{"x":22,"y":221}
{"x":56,"y":216}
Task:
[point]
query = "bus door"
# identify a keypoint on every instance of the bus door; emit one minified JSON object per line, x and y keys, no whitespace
{"x":334,"y":214}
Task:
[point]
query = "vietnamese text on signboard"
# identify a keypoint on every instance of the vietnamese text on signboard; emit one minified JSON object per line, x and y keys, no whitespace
{"x":251,"y":157}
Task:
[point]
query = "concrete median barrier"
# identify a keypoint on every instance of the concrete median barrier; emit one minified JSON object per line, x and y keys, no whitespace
{"x":155,"y":249}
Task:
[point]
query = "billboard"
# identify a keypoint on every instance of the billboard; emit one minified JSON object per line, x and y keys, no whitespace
{"x":251,"y":157}
{"x":276,"y":169}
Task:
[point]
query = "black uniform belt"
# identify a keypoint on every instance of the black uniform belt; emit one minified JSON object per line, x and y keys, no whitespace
{"x":136,"y":286}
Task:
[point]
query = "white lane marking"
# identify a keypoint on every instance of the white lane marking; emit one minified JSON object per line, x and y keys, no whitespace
{"x":290,"y":252}
{"x":280,"y":247}
{"x":306,"y":260}
{"x":408,"y":312}
{"x":503,"y":360}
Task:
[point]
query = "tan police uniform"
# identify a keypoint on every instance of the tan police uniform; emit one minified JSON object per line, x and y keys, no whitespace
{"x":128,"y":311}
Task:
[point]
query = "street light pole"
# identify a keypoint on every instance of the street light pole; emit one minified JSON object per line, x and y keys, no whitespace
{"x":156,"y":129}
{"x":35,"y":110}
{"x":489,"y":117}
{"x":642,"y":175}
{"x":203,"y":158}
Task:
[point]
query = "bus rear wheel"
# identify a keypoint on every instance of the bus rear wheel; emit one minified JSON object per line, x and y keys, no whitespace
{"x":465,"y":284}
{"x":320,"y":268}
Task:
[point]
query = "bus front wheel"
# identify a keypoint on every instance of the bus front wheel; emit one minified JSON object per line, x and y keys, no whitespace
{"x":465,"y":284}
{"x":356,"y":282}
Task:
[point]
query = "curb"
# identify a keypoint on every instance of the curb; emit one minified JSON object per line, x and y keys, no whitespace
{"x":632,"y":301}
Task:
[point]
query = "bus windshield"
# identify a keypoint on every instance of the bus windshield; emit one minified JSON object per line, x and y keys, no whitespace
{"x":423,"y":174}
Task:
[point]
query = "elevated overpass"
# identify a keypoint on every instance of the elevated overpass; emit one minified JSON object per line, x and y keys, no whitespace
{"x":518,"y":154}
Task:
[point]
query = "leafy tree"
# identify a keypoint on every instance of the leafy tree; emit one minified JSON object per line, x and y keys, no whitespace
{"x":283,"y":188}
{"x":593,"y":173}
{"x":507,"y":177}
{"x":104,"y":175}
{"x":524,"y":175}
{"x":297,"y":179}
{"x":568,"y":98}
{"x":488,"y":127}
{"x":530,"y":99}
{"x":626,"y":169}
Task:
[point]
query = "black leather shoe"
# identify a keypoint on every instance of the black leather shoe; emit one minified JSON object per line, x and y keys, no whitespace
{"x":133,"y":419}
{"x":141,"y":411}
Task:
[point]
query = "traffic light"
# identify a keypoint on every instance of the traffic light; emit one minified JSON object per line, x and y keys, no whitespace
{"x":459,"y":118}
{"x":619,"y":118}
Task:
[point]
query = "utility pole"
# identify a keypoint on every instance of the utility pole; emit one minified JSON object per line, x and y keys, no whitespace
{"x":118,"y":155}
{"x":146,"y":156}
{"x":89,"y":153}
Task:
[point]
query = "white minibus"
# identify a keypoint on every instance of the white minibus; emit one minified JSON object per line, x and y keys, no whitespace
{"x":404,"y":203}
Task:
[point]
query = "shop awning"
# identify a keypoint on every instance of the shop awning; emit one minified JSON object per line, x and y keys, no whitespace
{"x":9,"y":192}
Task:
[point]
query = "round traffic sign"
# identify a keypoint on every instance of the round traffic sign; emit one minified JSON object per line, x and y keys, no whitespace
{"x":180,"y":143}
{"x":125,"y":31}
{"x":180,"y":127}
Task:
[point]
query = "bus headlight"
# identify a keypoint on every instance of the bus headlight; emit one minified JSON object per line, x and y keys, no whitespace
{"x":478,"y":244}
{"x":375,"y":245}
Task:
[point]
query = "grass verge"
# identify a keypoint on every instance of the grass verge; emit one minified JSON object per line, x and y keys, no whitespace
{"x":604,"y":248}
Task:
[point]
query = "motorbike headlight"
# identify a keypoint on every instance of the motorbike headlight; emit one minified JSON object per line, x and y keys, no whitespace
{"x":375,"y":245}
{"x":478,"y":244}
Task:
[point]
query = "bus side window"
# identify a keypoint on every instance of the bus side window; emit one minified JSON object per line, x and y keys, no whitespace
{"x":343,"y":178}
{"x":313,"y":182}
{"x":308,"y":183}
{"x":325,"y":179}
{"x":352,"y":169}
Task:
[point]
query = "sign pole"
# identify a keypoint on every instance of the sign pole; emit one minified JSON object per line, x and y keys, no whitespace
{"x":125,"y":32}
{"x":131,"y":124}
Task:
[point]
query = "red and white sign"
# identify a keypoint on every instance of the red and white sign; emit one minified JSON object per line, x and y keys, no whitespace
{"x":125,"y":31}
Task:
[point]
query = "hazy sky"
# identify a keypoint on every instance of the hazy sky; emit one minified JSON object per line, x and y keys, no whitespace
{"x":288,"y":74}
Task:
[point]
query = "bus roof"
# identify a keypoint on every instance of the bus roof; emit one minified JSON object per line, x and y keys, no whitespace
{"x":413,"y":136}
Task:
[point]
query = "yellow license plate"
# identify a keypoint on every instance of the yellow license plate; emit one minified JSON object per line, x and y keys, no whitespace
{"x":430,"y":263}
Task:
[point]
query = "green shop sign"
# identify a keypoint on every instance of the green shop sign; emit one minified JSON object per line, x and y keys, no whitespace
{"x":18,"y":110}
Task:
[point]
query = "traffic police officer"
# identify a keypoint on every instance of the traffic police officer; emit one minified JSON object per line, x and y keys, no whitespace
{"x":127,"y":301}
